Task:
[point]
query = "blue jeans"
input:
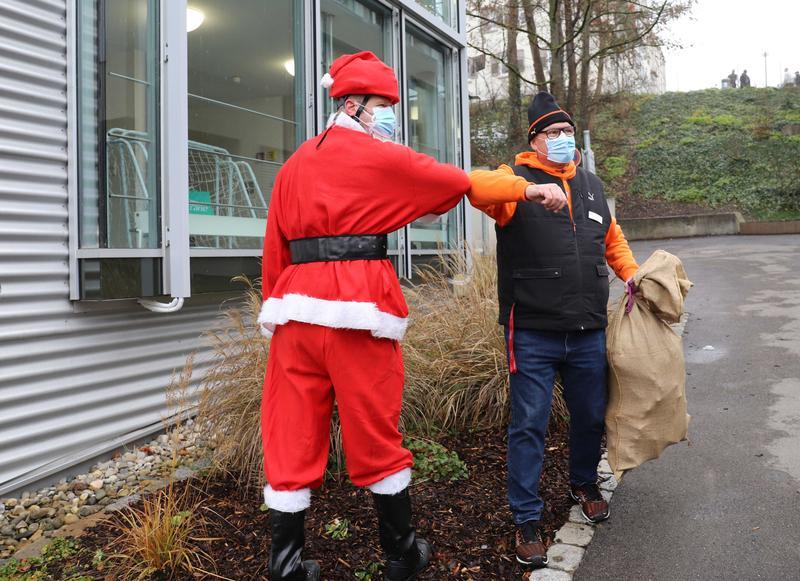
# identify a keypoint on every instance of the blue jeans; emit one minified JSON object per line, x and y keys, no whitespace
{"x":580,"y":358}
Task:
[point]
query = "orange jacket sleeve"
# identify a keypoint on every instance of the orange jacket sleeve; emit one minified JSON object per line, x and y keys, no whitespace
{"x":497,"y":192}
{"x":276,"y":257}
{"x":618,"y":253}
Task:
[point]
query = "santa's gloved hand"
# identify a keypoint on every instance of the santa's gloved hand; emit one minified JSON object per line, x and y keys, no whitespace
{"x":267,"y":329}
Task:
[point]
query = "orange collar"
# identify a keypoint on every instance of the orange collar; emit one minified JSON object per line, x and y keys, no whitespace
{"x":530,"y":159}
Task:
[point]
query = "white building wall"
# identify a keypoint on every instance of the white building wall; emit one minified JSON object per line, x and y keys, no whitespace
{"x":76,"y":379}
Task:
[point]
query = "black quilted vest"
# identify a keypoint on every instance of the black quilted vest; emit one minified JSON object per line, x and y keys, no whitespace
{"x":553,"y":268}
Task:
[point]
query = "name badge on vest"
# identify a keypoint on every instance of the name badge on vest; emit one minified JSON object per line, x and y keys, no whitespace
{"x":596,"y":217}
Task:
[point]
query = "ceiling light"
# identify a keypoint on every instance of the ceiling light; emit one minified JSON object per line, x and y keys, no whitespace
{"x":289,"y":66}
{"x":194,"y":18}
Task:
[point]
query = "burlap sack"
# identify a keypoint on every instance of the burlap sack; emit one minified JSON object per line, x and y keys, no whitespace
{"x":647,"y":389}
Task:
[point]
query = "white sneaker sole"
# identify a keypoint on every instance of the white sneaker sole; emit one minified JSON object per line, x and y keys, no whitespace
{"x":528,"y":564}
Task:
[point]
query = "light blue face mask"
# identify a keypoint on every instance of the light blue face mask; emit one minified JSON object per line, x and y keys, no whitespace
{"x":561,"y":149}
{"x":384,"y":123}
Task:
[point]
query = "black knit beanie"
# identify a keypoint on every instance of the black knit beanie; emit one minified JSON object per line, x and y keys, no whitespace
{"x":544,"y":111}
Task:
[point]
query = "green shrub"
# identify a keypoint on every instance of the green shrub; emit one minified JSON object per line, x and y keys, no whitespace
{"x":370,"y":572}
{"x":433,"y":461}
{"x":615,"y":166}
{"x":338,"y":529}
{"x":37,"y":569}
{"x":713,"y":147}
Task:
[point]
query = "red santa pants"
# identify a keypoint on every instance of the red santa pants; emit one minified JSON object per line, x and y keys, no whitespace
{"x":308,"y":366}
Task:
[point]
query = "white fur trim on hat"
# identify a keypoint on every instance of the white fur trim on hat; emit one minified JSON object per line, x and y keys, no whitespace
{"x":326,"y":81}
{"x":287,"y":500}
{"x":393,"y":483}
{"x":336,"y":314}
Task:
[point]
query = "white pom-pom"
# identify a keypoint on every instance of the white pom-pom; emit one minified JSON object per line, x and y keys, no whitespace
{"x":326,"y":81}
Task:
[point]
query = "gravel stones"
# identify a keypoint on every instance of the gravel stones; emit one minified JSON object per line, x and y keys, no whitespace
{"x":114,"y":482}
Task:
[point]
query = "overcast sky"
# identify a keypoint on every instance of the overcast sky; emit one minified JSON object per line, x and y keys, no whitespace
{"x":721,"y":35}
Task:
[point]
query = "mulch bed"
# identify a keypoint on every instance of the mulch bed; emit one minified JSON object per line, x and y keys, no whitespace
{"x":468,"y":522}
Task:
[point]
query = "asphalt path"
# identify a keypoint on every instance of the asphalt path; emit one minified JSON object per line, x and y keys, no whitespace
{"x":727,"y":504}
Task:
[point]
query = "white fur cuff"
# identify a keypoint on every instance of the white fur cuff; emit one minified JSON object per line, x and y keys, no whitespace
{"x":393,"y":483}
{"x":287,"y":500}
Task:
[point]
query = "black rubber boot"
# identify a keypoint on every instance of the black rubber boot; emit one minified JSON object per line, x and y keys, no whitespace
{"x":406,"y":554}
{"x":288,"y":538}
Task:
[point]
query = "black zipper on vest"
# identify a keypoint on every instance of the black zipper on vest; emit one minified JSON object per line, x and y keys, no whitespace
{"x":575,"y":235}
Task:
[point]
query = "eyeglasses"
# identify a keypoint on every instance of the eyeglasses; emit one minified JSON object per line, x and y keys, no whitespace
{"x":554,"y":133}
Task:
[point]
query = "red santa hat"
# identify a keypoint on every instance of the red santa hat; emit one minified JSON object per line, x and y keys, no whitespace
{"x":361,"y":74}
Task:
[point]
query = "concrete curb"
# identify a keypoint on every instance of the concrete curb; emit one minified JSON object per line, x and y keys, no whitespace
{"x":566,"y":553}
{"x":681,"y":226}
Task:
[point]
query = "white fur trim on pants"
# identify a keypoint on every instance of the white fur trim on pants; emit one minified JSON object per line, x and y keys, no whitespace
{"x":393,"y":483}
{"x":287,"y":500}
{"x":336,"y":314}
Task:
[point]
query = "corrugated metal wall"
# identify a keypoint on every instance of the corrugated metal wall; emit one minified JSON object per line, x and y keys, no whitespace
{"x":72,"y":384}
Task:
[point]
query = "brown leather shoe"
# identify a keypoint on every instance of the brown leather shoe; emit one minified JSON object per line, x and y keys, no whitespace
{"x":593,"y":506}
{"x":530,"y":546}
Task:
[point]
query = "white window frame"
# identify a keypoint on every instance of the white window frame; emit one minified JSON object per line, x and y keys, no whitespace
{"x":174,"y":176}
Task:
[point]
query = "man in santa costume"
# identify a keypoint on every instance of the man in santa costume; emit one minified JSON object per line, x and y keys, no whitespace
{"x":334,"y":304}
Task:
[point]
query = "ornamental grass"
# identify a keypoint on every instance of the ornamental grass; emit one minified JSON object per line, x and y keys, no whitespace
{"x":160,"y":537}
{"x":455,"y":359}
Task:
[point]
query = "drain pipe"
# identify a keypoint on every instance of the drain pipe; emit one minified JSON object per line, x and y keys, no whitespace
{"x":174,"y":305}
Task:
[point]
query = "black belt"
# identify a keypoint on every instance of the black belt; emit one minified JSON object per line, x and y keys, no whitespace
{"x":334,"y":248}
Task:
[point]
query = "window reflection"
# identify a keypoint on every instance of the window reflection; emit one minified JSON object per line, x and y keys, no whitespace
{"x":245,"y":115}
{"x":432,"y":126}
{"x":119,"y":119}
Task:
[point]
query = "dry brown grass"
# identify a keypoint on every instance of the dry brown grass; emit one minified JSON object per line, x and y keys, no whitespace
{"x":160,"y":538}
{"x":456,"y":373}
{"x":455,"y":354}
{"x":230,"y":391}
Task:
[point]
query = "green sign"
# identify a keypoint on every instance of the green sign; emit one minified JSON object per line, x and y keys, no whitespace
{"x":200,"y":203}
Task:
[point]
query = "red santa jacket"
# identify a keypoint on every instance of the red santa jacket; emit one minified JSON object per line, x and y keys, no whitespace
{"x":350,"y":184}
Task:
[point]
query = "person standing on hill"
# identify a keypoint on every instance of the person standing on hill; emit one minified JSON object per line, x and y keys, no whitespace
{"x":732,"y":79}
{"x":334,"y":304}
{"x":554,"y":235}
{"x":797,"y":78}
{"x":787,"y":78}
{"x":744,"y":79}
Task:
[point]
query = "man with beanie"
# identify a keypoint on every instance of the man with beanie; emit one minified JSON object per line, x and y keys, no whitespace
{"x":336,"y":313}
{"x":553,"y":290}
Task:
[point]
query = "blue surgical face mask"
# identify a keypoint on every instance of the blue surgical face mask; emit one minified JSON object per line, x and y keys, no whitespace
{"x":561,"y":149}
{"x":384,"y":122}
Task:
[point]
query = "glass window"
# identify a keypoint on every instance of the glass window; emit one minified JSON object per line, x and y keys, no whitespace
{"x":432,"y":126}
{"x":447,"y":10}
{"x":120,"y":278}
{"x":350,"y":26}
{"x":245,"y":114}
{"x":118,"y":116}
